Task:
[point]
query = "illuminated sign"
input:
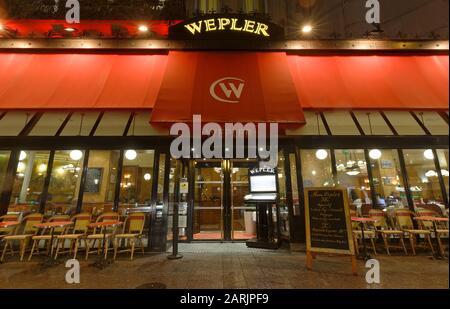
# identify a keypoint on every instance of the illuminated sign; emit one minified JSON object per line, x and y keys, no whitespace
{"x":229,"y":26}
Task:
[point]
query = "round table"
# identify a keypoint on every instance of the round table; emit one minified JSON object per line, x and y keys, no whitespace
{"x":361,"y":221}
{"x":103,"y":262}
{"x":51,"y":225}
{"x":434,"y":220}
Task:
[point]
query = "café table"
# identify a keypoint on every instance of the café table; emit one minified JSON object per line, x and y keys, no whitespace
{"x":363,"y":255}
{"x":51,"y":226}
{"x":8,"y":224}
{"x":103,"y":261}
{"x":437,"y":255}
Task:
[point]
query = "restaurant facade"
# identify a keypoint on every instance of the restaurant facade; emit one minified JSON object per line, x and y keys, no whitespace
{"x":85,"y":124}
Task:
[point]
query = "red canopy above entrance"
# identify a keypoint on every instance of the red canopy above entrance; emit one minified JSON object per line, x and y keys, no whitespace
{"x":228,"y":87}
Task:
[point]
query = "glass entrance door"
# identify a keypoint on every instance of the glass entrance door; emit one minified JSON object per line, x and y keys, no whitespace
{"x":208,"y":201}
{"x":220,"y":212}
{"x":243,"y":216}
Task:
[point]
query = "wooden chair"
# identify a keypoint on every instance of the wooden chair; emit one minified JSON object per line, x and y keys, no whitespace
{"x":5,"y":231}
{"x":98,"y":234}
{"x":47,"y":237}
{"x":28,"y":232}
{"x":357,"y":233}
{"x":74,"y":236}
{"x":442,"y":228}
{"x":132,"y":232}
{"x":404,"y":221}
{"x":386,"y":232}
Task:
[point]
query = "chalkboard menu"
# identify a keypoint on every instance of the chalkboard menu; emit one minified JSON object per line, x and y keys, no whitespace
{"x":328,"y":228}
{"x":93,"y":180}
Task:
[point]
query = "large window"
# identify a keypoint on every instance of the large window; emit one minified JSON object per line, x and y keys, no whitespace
{"x":29,"y":181}
{"x":443,"y":161}
{"x":254,"y":5}
{"x":387,"y":178}
{"x":137,"y":179}
{"x":208,"y":5}
{"x":423,"y":178}
{"x":64,"y":182}
{"x":352,"y":175}
{"x":316,"y":168}
{"x":101,"y":176}
{"x":4,"y":159}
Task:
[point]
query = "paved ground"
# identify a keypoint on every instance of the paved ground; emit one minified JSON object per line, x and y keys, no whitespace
{"x":232,"y":266}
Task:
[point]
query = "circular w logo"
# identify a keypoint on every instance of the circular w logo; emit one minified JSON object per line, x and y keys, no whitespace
{"x":227,"y":89}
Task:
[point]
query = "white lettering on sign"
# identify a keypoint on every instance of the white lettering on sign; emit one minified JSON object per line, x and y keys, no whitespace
{"x":227,"y":89}
{"x":228,"y":24}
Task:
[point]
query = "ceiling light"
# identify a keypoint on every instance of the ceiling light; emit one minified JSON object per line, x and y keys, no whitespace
{"x":147,"y":177}
{"x":353,"y":173}
{"x":428,"y":154}
{"x":131,"y":154}
{"x":307,"y":29}
{"x":431,"y":173}
{"x":444,"y":173}
{"x":1,"y":27}
{"x":21,"y":167}
{"x":42,"y":168}
{"x":143,"y":28}
{"x":69,"y":29}
{"x":76,"y":155}
{"x":375,"y":154}
{"x":22,"y":156}
{"x":321,"y":154}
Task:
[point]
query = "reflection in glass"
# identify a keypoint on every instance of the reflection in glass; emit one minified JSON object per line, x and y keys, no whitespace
{"x":388,"y":180}
{"x":64,"y":183}
{"x":137,"y":180}
{"x":282,"y":203}
{"x":423,"y":178}
{"x":352,"y":175}
{"x":444,"y":163}
{"x":100,"y":183}
{"x":29,"y":181}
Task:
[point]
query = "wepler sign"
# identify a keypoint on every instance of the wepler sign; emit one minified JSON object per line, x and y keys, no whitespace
{"x":233,"y":26}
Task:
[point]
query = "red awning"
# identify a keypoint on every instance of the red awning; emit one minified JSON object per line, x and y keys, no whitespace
{"x":228,"y":87}
{"x":371,"y":82}
{"x":83,"y":81}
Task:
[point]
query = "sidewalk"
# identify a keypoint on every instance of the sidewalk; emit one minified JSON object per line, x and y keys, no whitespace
{"x":231,"y":266}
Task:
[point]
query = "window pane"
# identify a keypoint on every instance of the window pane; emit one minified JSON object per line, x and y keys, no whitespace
{"x":341,"y":123}
{"x":112,"y":124}
{"x":443,"y":161}
{"x":161,"y":178}
{"x":137,"y":179}
{"x":100,"y":184}
{"x":29,"y":181}
{"x":80,"y":124}
{"x":316,"y":172}
{"x":352,"y":175}
{"x":49,"y":124}
{"x":294,"y":184}
{"x":404,"y":123}
{"x":64,"y":182}
{"x":433,"y":122}
{"x":143,"y":127}
{"x":13,"y":123}
{"x":372,"y":123}
{"x":388,"y":179}
{"x":283,"y":206}
{"x":423,"y":177}
{"x":4,"y":159}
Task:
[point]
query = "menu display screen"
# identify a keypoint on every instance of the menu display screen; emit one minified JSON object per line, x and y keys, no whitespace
{"x":263,"y":183}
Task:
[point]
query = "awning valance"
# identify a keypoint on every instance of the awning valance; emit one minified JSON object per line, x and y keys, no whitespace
{"x":79,"y":81}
